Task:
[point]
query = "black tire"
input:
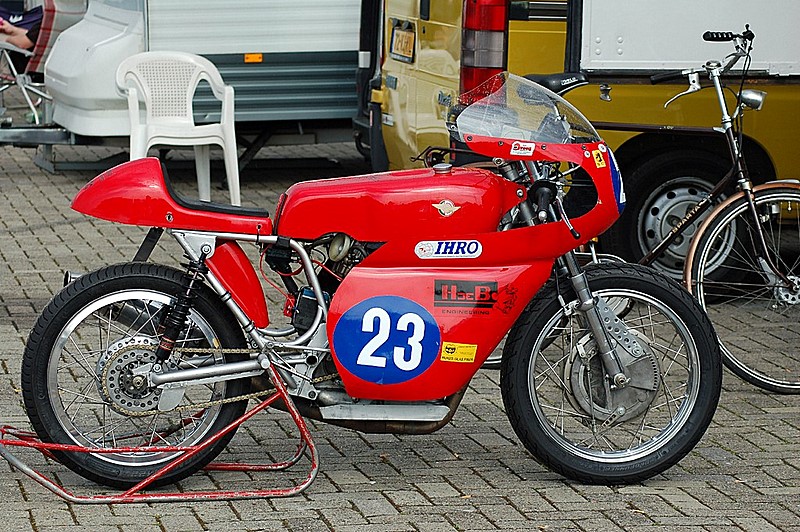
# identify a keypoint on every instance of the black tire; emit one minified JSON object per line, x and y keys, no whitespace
{"x":79,"y":386}
{"x":754,"y":315}
{"x":660,"y":191}
{"x":557,"y":401}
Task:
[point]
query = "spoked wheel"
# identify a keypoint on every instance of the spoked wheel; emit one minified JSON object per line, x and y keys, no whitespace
{"x":565,"y":409}
{"x":85,"y":374}
{"x":755,"y":313}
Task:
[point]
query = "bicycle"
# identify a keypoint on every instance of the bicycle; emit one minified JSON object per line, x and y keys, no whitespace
{"x":746,"y":252}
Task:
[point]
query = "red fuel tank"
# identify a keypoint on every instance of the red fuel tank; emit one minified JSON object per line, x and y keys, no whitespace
{"x":379,"y":207}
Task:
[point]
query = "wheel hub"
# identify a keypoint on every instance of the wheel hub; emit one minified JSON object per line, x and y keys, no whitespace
{"x":123,"y":384}
{"x":789,"y":295}
{"x":592,"y":391}
{"x":662,"y":214}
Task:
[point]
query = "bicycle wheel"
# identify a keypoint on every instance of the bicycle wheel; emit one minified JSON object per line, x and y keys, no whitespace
{"x":754,"y":313}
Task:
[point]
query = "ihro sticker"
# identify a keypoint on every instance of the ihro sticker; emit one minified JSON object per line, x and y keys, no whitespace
{"x":386,"y":340}
{"x":448,"y":249}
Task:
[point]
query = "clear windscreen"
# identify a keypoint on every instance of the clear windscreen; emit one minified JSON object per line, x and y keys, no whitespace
{"x":507,"y":106}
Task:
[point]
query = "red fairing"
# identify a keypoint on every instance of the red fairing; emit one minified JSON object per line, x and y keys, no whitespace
{"x":453,"y":290}
{"x":382,"y":207}
{"x":472,"y":308}
{"x":134,"y":193}
{"x":235,"y":271}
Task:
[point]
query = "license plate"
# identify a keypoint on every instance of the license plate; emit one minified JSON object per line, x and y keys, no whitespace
{"x":402,"y":47}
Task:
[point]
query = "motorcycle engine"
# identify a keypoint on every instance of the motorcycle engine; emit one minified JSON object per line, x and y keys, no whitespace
{"x":344,"y":253}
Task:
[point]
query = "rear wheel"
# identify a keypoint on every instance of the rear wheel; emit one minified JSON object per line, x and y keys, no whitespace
{"x":754,"y":313}
{"x":85,"y":368}
{"x":561,"y":403}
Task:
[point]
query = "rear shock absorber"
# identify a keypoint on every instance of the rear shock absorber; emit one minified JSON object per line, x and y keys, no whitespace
{"x":174,"y":322}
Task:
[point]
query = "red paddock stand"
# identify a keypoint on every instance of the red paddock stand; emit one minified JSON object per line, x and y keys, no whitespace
{"x":12,"y":437}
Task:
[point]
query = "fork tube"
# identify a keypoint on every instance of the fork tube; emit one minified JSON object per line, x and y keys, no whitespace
{"x":587,"y":305}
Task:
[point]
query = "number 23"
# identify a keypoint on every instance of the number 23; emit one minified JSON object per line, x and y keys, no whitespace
{"x":367,"y":355}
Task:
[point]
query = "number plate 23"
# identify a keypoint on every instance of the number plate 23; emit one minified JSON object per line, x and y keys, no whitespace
{"x":386,"y":340}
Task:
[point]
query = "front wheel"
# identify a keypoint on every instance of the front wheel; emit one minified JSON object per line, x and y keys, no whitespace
{"x":85,"y":367}
{"x":563,"y":406}
{"x":754,"y":312}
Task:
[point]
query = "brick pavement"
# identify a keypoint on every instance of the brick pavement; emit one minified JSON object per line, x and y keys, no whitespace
{"x":471,"y":475}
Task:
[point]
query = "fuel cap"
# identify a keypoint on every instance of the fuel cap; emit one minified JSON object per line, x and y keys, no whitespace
{"x":442,"y":168}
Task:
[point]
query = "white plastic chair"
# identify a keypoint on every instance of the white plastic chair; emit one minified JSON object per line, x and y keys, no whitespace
{"x":167,"y":82}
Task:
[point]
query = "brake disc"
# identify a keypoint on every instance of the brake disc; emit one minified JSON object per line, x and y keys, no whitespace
{"x":594,"y":394}
{"x":122,"y":384}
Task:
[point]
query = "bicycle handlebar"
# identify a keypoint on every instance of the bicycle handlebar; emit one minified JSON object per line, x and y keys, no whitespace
{"x":718,"y":36}
{"x":741,"y":42}
{"x":667,"y":76}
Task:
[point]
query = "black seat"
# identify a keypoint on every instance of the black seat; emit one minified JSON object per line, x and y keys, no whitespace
{"x":559,"y":83}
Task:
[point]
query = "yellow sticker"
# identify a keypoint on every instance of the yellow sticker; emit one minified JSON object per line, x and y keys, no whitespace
{"x":253,"y":58}
{"x":452,"y":352}
{"x":599,"y":161}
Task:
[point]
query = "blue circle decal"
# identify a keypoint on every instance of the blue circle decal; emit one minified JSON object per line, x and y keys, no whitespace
{"x":387,"y":340}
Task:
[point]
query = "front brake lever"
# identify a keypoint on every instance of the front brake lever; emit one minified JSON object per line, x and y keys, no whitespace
{"x":694,"y":86}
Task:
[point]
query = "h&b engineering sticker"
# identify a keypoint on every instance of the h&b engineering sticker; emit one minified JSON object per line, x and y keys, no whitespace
{"x":464,"y":297}
{"x":387,"y":340}
{"x":474,"y":298}
{"x":453,"y":352}
{"x":448,"y":249}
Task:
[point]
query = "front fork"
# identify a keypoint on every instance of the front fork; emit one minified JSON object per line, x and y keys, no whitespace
{"x":549,"y":208}
{"x":593,"y":309}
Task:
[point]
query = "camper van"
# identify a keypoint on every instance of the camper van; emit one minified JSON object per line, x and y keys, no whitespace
{"x":432,"y":51}
{"x":292,"y":64}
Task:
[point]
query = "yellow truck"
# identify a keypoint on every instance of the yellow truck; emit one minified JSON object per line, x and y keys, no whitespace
{"x":433,"y":49}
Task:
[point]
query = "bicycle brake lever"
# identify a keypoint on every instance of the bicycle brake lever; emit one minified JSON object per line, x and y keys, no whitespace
{"x":694,"y":86}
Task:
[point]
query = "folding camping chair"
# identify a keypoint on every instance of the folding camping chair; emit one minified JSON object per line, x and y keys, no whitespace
{"x":54,"y":16}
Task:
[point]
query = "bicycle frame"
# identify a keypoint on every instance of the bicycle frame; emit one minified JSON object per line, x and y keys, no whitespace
{"x":737,"y":174}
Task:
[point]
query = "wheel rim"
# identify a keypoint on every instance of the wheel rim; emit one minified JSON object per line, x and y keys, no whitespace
{"x":661,"y":211}
{"x":755,"y":316}
{"x":565,"y":419}
{"x":98,"y":352}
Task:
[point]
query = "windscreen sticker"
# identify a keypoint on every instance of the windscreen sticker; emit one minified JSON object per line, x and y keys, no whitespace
{"x":453,"y":352}
{"x":523,"y":149}
{"x":387,"y":340}
{"x":448,"y":249}
{"x":599,"y":160}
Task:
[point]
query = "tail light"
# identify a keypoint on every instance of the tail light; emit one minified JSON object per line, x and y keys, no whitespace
{"x":483,"y":41}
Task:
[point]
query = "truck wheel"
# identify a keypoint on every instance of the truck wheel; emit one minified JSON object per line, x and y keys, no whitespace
{"x":660,"y":191}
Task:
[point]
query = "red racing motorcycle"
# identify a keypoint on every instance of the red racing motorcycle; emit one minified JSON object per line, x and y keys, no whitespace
{"x":399,"y":286}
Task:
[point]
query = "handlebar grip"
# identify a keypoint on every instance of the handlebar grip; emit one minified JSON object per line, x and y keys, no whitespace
{"x":666,"y":76}
{"x":718,"y":36}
